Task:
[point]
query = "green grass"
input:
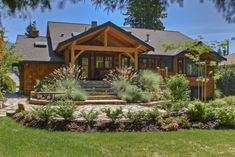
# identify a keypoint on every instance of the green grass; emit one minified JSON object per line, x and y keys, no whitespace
{"x":18,"y":141}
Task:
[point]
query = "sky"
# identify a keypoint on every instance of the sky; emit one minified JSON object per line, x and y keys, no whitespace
{"x":193,"y":19}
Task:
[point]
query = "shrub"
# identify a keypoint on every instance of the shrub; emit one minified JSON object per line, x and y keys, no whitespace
{"x":153,"y":114}
{"x":126,"y":74}
{"x":230,"y":100}
{"x":136,"y":117}
{"x":217,"y":94}
{"x":89,"y":116}
{"x":179,"y":105}
{"x":169,"y":124}
{"x":113,"y":114}
{"x":217,"y":103}
{"x":59,"y":97}
{"x":120,"y":86}
{"x":149,"y":81}
{"x":210,"y":114}
{"x":66,"y":109}
{"x":179,"y":87}
{"x":183,"y":122}
{"x":134,"y":94}
{"x":44,"y":113}
{"x":25,"y":115}
{"x":226,"y":116}
{"x":8,"y":84}
{"x":197,"y":111}
{"x":78,"y":96}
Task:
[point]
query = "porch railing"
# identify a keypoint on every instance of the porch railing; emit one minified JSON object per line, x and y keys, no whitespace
{"x":163,"y":72}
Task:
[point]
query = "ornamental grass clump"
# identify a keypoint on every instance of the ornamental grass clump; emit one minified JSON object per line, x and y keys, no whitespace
{"x":134,"y":94}
{"x":126,"y":74}
{"x":149,"y":81}
{"x":55,"y":80}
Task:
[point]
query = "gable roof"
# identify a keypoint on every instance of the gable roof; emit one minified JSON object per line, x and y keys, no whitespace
{"x":101,"y":27}
{"x":157,"y":38}
{"x":25,"y":48}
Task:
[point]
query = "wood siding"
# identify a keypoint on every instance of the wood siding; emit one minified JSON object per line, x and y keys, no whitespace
{"x":31,"y":72}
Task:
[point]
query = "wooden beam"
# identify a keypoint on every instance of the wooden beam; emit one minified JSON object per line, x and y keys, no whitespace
{"x":73,"y":52}
{"x":103,"y":48}
{"x":79,"y":53}
{"x":66,"y":55}
{"x":136,"y":59}
{"x":131,"y":57}
{"x":106,"y":37}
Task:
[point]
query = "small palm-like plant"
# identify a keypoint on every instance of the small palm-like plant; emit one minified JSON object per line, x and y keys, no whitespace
{"x":89,"y":116}
{"x":113,"y":114}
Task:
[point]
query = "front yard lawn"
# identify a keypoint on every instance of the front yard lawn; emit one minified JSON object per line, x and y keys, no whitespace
{"x":18,"y":141}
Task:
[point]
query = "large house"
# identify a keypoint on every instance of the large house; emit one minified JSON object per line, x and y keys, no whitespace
{"x":99,"y":48}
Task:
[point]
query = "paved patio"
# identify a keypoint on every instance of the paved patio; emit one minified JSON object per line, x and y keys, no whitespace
{"x":12,"y":103}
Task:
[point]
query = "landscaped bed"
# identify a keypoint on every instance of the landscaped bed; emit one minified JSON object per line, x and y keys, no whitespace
{"x":18,"y":141}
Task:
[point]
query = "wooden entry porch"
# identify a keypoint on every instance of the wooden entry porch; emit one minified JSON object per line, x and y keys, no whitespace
{"x":96,"y":65}
{"x":101,"y":48}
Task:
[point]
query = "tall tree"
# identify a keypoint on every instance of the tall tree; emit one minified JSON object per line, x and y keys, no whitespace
{"x":30,"y":30}
{"x":145,"y":14}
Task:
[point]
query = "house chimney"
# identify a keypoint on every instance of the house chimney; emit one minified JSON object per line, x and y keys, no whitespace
{"x":147,"y":38}
{"x":35,"y":33}
{"x":93,"y":24}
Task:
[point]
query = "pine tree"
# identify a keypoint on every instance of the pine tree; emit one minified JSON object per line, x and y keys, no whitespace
{"x":145,"y":14}
{"x":30,"y":28}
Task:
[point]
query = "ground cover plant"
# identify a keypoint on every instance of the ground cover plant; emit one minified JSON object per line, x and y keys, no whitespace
{"x":17,"y":140}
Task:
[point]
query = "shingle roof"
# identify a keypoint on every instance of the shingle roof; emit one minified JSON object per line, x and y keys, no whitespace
{"x":81,"y":34}
{"x":61,"y":32}
{"x":230,"y":59}
{"x":157,"y":38}
{"x":25,"y":48}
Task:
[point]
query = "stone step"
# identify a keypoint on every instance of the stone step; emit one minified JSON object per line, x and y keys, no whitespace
{"x":103,"y":102}
{"x":100,"y":93}
{"x":103,"y":97}
{"x":97,"y":89}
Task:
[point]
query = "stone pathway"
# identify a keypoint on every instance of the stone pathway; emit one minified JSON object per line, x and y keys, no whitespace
{"x":12,"y":103}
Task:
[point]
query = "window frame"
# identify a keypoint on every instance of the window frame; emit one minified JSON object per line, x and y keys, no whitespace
{"x":104,"y":61}
{"x":170,"y":68}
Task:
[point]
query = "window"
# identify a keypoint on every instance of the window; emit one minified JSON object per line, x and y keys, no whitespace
{"x":147,"y":63}
{"x":180,"y":66}
{"x":108,"y":62}
{"x":196,"y":93}
{"x":166,"y":62}
{"x":193,"y":69}
{"x":104,"y":62}
{"x":99,"y":62}
{"x":125,"y":61}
